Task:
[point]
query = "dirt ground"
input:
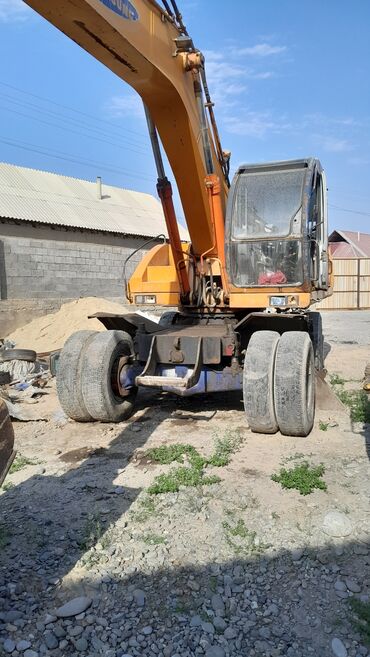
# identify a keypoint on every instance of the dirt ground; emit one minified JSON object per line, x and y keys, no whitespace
{"x":238,"y":567}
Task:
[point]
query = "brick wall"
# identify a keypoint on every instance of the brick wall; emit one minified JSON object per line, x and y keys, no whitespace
{"x":43,"y":262}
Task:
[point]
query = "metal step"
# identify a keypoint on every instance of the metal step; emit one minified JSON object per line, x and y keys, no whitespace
{"x":159,"y":381}
{"x":150,"y":379}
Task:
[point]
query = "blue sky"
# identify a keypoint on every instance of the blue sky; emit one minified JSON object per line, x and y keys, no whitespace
{"x":290,"y":79}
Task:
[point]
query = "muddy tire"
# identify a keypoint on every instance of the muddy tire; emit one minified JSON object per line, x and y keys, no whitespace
{"x":18,"y":354}
{"x":69,"y":376}
{"x":258,"y":382}
{"x":294,"y":384}
{"x":99,"y":377}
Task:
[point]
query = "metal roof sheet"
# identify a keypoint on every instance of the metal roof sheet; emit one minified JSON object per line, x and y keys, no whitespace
{"x":359,"y":243}
{"x":49,"y":198}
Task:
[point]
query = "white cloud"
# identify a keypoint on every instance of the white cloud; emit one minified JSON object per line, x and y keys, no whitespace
{"x":255,"y":124}
{"x":14,"y":11}
{"x":261,"y":50}
{"x":128,"y":105}
{"x":335,"y":145}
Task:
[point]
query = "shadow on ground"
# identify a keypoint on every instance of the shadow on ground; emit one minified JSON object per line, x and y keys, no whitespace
{"x":258,"y":603}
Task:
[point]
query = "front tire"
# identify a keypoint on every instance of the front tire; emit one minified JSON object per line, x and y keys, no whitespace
{"x":294,"y":384}
{"x":258,"y":382}
{"x":102,"y":361}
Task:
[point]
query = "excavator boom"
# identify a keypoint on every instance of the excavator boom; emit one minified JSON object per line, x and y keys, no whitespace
{"x":143,"y":45}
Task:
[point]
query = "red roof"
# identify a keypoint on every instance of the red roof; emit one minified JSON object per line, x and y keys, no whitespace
{"x":349,"y":244}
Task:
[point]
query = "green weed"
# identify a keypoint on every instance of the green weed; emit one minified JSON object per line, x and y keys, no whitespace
{"x":224,"y":448}
{"x":358,"y":403}
{"x":92,"y":532}
{"x":7,"y":486}
{"x":323,"y":426}
{"x":153,"y":539}
{"x":361,"y":618}
{"x":146,"y":508}
{"x":304,"y":478}
{"x":241,"y":539}
{"x":21,"y":462}
{"x":336,"y":380}
{"x":192,"y":475}
{"x":173,"y":480}
{"x":213,"y":583}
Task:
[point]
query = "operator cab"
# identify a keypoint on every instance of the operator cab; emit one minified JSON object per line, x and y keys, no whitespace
{"x":276,"y":225}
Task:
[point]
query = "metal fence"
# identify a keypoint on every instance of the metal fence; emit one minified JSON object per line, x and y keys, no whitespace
{"x":351,"y":285}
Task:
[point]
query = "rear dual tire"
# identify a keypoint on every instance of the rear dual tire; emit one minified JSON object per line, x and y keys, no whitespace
{"x":279,"y":383}
{"x":88,"y":375}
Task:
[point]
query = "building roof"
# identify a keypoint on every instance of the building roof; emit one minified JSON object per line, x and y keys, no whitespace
{"x":49,"y":198}
{"x":349,"y":244}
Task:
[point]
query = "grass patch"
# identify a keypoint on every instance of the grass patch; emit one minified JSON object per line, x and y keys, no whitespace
{"x":241,"y":539}
{"x":224,"y":448}
{"x":323,"y":426}
{"x":7,"y":486}
{"x":304,"y":478}
{"x":171,"y":482}
{"x":153,"y":539}
{"x":336,"y":380}
{"x":94,"y":533}
{"x":213,"y":583}
{"x":146,"y":508}
{"x":21,"y":462}
{"x":357,"y":402}
{"x":193,"y":474}
{"x":361,"y":618}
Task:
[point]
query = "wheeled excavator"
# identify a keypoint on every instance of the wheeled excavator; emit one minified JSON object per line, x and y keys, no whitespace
{"x":256,"y":262}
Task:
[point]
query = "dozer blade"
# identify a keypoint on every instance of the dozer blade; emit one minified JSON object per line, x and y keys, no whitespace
{"x":326,"y":399}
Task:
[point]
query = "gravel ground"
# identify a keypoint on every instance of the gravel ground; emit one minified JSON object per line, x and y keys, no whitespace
{"x":239,"y":567}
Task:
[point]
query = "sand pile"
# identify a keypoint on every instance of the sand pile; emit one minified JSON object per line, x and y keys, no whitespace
{"x":51,"y":331}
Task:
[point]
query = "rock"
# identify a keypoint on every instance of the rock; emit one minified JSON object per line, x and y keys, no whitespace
{"x":218,"y":604}
{"x":340,"y":586}
{"x":337,"y":524}
{"x":76,"y":630}
{"x":264,"y":632}
{"x":81,"y":644}
{"x":230,"y":633}
{"x":195,"y":621}
{"x":49,"y":619}
{"x":59,"y":631}
{"x":352,"y":585}
{"x":13,"y":615}
{"x":23,"y":645}
{"x":9,"y":645}
{"x":73,"y":607}
{"x":51,"y":640}
{"x":215,"y":651}
{"x":147,"y":630}
{"x":208,"y":628}
{"x":219,"y":623}
{"x":139,"y":597}
{"x":297,"y":554}
{"x":31,"y":653}
{"x":338,"y":648}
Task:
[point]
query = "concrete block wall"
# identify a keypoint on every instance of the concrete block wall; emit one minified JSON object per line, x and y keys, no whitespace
{"x":44,"y":262}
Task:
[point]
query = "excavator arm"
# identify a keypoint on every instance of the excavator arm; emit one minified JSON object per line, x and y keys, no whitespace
{"x":147,"y":46}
